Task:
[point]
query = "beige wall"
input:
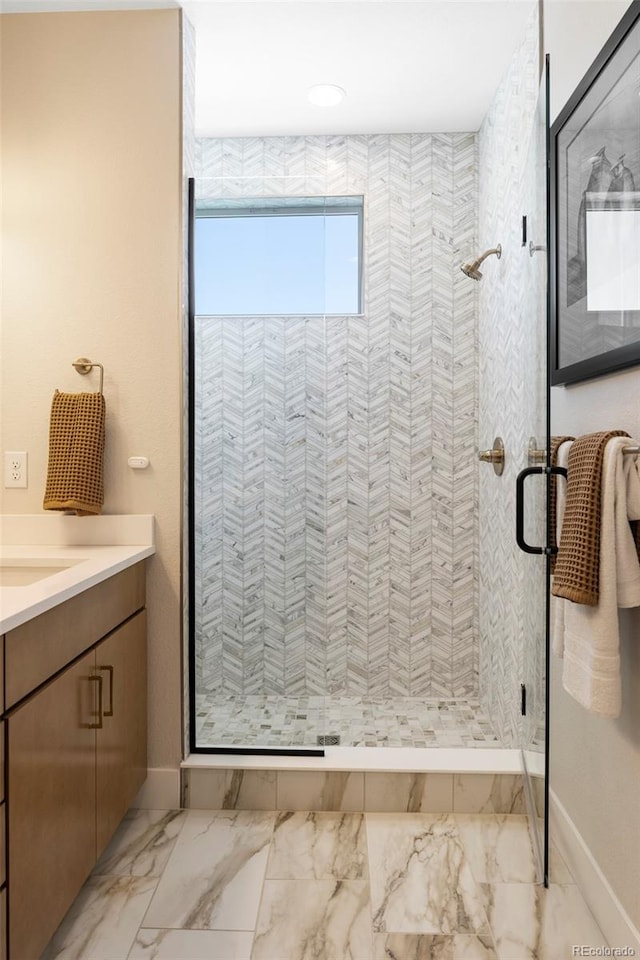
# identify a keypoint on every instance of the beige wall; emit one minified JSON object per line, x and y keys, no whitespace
{"x":574,"y":31}
{"x":595,"y":763}
{"x":91,"y":266}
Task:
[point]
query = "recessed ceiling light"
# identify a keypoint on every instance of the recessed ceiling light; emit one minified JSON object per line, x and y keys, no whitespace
{"x":325,"y":95}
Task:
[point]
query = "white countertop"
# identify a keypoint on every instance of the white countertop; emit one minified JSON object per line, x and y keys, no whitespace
{"x":50,"y":538}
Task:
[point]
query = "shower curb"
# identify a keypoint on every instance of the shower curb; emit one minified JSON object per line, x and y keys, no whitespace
{"x":377,"y":781}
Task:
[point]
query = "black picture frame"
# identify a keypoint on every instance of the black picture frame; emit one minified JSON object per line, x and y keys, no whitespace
{"x":595,"y":215}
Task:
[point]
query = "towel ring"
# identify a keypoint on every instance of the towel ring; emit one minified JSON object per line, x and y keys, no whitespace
{"x":84,"y":366}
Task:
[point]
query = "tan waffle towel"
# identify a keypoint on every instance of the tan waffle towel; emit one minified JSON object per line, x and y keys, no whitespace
{"x":576,"y":576}
{"x":76,"y":451}
{"x":589,"y":637}
{"x":556,"y":443}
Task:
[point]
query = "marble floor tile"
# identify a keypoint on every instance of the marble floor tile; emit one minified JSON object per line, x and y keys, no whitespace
{"x":191,"y":945}
{"x":531,"y":923}
{"x":558,"y":870}
{"x":214,"y":875}
{"x":318,"y":846}
{"x":104,"y":919}
{"x":142,"y":844}
{"x":420,"y":878}
{"x":498,"y":848}
{"x":414,"y":946}
{"x":232,"y":789}
{"x":333,"y":790}
{"x":411,"y":792}
{"x":195,"y":885}
{"x":488,"y":793}
{"x":314,"y":920}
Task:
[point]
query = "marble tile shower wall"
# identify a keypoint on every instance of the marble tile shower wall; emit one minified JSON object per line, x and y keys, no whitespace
{"x":511,"y":396}
{"x":336,"y":472}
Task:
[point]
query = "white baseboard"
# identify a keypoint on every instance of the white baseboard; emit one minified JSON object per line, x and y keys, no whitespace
{"x":160,"y":791}
{"x":612,"y":918}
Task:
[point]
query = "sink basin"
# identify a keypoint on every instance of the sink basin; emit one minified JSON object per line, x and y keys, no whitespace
{"x":25,"y":571}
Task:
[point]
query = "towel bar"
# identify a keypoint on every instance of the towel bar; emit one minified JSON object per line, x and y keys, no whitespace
{"x":633,"y":449}
{"x":84,"y":366}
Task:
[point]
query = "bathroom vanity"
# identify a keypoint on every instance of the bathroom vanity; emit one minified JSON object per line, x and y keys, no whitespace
{"x":74,"y":726}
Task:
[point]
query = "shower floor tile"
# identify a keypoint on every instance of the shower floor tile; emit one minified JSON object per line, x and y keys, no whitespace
{"x":276,"y":721}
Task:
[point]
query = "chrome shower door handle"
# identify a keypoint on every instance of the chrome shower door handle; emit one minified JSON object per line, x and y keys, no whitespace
{"x":520,"y":480}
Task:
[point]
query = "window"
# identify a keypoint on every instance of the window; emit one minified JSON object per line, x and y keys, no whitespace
{"x":278,"y":256}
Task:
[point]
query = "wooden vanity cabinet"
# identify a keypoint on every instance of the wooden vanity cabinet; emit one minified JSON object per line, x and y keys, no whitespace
{"x":76,"y":757}
{"x":121,"y":741}
{"x":3,"y":809}
{"x":52,"y":802}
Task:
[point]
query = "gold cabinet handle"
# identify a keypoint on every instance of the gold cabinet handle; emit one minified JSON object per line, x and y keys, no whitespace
{"x":94,"y":678}
{"x":108,"y":669}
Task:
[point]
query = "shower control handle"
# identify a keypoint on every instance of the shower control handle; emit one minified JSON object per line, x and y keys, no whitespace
{"x":494,"y":456}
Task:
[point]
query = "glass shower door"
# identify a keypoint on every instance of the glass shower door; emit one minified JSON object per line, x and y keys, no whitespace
{"x":532,"y":493}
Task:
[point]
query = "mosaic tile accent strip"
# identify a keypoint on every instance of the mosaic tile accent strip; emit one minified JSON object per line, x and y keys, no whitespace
{"x":357,"y":721}
{"x":337,"y":483}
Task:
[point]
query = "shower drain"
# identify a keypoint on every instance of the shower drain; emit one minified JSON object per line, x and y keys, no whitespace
{"x":330,"y":740}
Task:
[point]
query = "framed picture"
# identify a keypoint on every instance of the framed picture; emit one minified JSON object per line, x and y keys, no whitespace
{"x":595,"y":215}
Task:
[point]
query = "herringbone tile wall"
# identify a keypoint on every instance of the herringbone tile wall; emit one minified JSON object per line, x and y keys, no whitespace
{"x":512,"y":368}
{"x":336,"y":476}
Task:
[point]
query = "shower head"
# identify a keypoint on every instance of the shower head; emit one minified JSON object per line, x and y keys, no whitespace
{"x":471,"y":269}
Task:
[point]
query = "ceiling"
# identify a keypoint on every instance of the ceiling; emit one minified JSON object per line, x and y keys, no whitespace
{"x":406,"y":67}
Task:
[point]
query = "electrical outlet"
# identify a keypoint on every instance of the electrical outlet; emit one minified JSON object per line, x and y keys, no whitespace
{"x":15,"y":468}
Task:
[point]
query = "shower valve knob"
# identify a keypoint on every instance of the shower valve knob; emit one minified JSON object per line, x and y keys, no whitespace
{"x":494,"y":456}
{"x":535,"y":454}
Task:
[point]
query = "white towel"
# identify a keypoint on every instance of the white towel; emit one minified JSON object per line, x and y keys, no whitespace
{"x":557,"y":604}
{"x":627,"y":565}
{"x":590,"y":637}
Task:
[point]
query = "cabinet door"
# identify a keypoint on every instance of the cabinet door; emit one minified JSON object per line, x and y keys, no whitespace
{"x":121,"y":660}
{"x":51,"y":805}
{"x":3,"y":924}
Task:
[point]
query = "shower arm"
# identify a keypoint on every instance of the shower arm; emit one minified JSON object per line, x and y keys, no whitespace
{"x":488,"y":253}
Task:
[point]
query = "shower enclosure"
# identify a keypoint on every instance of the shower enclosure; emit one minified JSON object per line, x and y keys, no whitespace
{"x":355,"y":576}
{"x":337,"y":501}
